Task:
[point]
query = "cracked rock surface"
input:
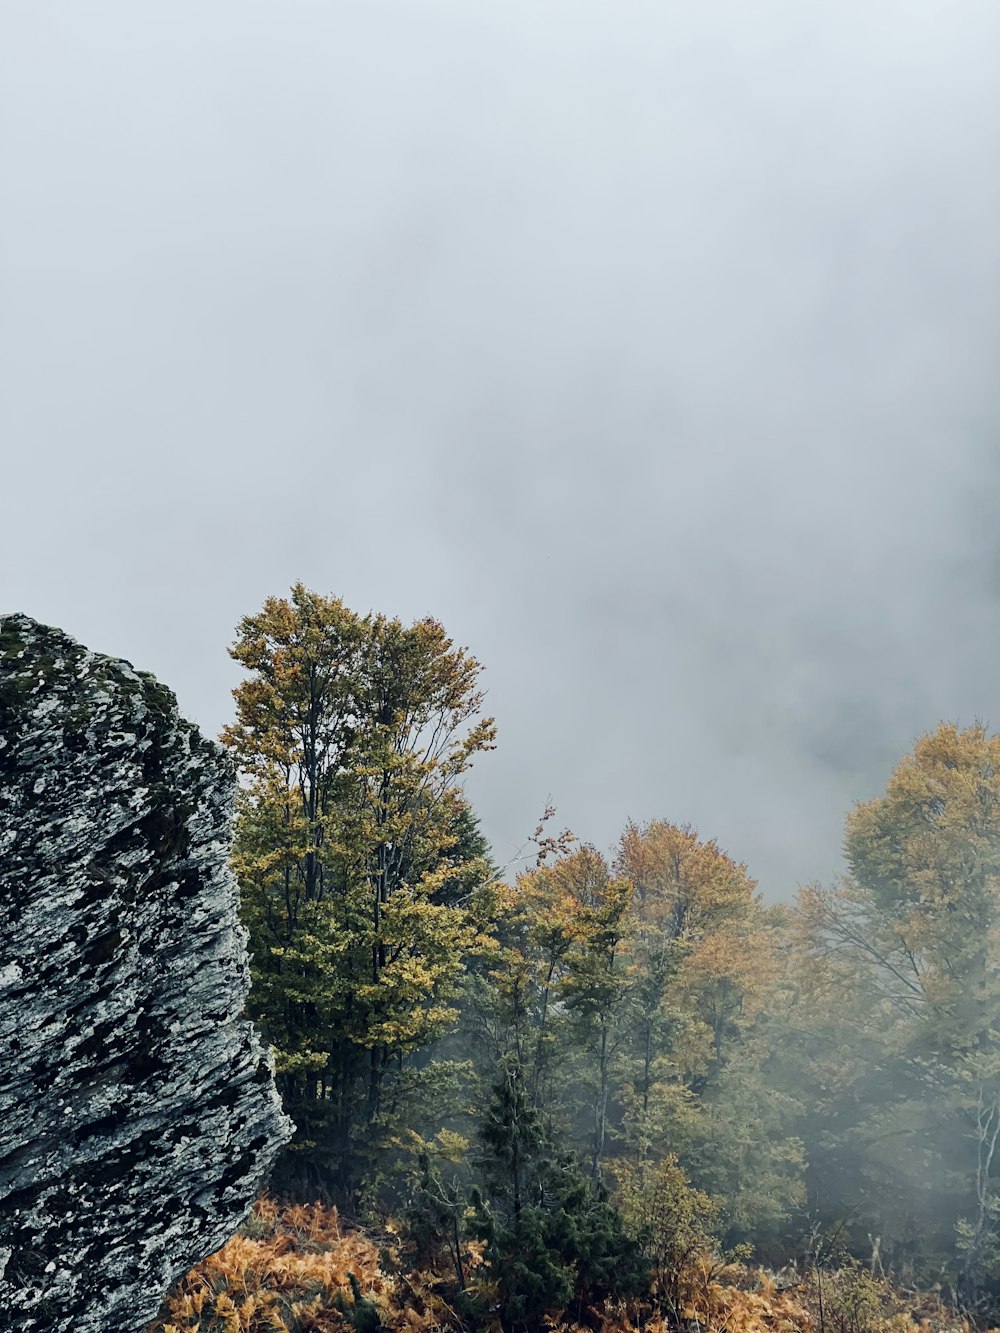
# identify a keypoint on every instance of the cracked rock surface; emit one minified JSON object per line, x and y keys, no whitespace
{"x":138,"y":1113}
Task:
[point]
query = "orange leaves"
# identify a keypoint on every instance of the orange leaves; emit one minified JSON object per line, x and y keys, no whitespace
{"x":295,"y":1270}
{"x":287,"y":1271}
{"x":704,"y":941}
{"x":683,"y":884}
{"x":762,"y":1308}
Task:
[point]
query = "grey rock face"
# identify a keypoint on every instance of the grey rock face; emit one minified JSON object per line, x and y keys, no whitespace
{"x":138,"y":1114}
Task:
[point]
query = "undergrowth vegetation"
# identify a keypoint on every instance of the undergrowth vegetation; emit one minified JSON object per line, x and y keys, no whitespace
{"x":299,"y":1269}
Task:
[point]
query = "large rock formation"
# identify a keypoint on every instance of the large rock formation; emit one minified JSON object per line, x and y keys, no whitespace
{"x":138,"y":1115}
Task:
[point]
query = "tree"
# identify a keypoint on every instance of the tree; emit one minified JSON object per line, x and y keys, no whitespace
{"x":705,"y":973}
{"x":596,"y":984}
{"x":355,"y":852}
{"x":694,"y":909}
{"x":910,"y":943}
{"x":552,"y":1240}
{"x":673,"y":1222}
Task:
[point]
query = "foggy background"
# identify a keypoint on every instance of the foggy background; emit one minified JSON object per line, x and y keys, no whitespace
{"x":652,"y":347}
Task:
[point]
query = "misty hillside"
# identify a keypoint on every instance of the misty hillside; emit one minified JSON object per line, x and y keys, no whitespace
{"x":590,"y":1086}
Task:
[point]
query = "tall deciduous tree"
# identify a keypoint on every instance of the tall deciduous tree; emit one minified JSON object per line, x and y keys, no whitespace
{"x":704,"y":965}
{"x":355,"y":854}
{"x":596,"y":986}
{"x":695,"y":908}
{"x":911,"y":943}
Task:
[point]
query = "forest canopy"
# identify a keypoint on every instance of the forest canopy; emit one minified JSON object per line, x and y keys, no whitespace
{"x":589,"y":1067}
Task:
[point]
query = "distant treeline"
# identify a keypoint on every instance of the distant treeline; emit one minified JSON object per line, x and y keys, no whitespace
{"x":599,"y":1065}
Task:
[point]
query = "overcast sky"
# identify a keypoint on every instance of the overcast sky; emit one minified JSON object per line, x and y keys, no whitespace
{"x":652,"y":347}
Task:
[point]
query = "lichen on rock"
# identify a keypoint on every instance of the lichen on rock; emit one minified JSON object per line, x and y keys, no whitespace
{"x":138,"y":1113}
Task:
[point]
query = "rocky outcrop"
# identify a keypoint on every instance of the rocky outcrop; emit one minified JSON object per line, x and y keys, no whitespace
{"x":138,"y":1115}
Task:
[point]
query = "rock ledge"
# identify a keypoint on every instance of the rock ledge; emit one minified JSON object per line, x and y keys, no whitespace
{"x":138,"y":1114}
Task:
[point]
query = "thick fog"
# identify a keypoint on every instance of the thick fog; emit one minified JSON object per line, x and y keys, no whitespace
{"x":652,"y":347}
